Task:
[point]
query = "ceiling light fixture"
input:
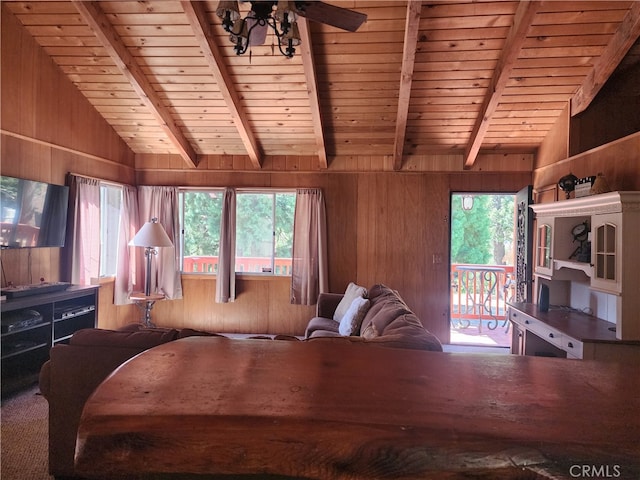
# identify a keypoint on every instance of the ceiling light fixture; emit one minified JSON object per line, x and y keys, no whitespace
{"x":252,"y":30}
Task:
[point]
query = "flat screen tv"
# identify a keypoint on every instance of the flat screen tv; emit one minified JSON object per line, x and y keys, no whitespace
{"x":33,"y":214}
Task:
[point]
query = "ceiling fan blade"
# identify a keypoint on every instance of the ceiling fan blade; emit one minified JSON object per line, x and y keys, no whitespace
{"x":338,"y":17}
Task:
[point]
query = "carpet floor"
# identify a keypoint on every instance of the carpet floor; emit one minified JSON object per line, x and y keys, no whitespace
{"x":24,"y":436}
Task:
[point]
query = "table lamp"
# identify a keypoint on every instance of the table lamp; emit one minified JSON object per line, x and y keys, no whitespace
{"x":150,"y":236}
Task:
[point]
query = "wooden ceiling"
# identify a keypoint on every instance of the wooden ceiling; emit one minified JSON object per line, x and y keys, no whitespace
{"x":418,"y":78}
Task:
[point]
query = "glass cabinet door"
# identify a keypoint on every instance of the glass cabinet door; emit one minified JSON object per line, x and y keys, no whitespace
{"x":543,"y":254}
{"x":606,"y":252}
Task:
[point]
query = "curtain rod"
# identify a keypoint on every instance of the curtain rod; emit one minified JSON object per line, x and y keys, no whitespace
{"x":110,"y":182}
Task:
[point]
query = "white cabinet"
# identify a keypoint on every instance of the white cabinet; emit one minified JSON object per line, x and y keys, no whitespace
{"x":614,"y":266}
{"x":556,"y":253}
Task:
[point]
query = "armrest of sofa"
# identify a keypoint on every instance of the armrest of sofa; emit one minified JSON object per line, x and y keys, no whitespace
{"x":74,"y":371}
{"x":73,"y":374}
{"x":327,"y":304}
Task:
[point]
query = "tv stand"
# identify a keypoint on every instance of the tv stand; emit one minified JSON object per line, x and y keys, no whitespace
{"x":32,"y":324}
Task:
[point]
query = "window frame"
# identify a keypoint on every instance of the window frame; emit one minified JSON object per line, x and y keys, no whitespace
{"x":181,"y":212}
{"x":264,"y":191}
{"x":105,"y":234}
{"x":239,"y":191}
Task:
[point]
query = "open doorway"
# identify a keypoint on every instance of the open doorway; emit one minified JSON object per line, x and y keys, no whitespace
{"x":481,"y":268}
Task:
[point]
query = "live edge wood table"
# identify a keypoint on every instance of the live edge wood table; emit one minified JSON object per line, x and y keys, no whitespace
{"x":329,"y":410}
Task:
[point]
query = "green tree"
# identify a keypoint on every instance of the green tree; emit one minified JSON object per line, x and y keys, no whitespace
{"x":285,"y":210}
{"x":484,"y":234}
{"x":202,"y":213}
{"x":470,"y":231}
{"x":501,"y":214}
{"x":254,"y":225}
{"x":262,"y":219}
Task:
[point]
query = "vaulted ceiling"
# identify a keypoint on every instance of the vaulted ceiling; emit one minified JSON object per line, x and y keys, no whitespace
{"x":416,"y":78}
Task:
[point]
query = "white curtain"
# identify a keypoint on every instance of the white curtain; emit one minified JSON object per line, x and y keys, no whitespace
{"x":129,"y":276}
{"x":226,"y":276}
{"x":309,"y":275}
{"x":162,"y":203}
{"x":84,"y":230}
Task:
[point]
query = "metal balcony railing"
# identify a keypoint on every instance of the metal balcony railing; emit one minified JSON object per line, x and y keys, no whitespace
{"x":479,"y":295}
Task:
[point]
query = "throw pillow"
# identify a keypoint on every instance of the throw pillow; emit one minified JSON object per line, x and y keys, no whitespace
{"x":352,"y":292}
{"x":352,"y":319}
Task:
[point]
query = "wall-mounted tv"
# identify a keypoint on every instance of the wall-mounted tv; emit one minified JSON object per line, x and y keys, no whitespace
{"x":33,"y":214}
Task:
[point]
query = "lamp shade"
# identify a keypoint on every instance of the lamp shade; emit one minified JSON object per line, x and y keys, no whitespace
{"x":151,"y":235}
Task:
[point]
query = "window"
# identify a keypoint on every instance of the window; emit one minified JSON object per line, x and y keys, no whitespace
{"x":110,"y":207}
{"x":264,"y":231}
{"x":200,"y":221}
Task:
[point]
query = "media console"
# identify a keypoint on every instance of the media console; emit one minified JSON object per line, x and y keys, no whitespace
{"x":32,"y":324}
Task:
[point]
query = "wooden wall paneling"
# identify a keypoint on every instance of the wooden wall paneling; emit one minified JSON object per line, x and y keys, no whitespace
{"x":40,"y":161}
{"x":341,"y":198}
{"x":379,"y":204}
{"x":283,"y":317}
{"x":10,"y":155}
{"x":10,"y":75}
{"x":401,"y":243}
{"x":546,"y":194}
{"x":431,"y":301}
{"x":365,"y":216}
{"x":250,"y":309}
{"x":555,"y":146}
{"x":51,"y":112}
{"x":28,"y":72}
{"x":262,"y":305}
{"x":111,"y":316}
{"x":613,"y":114}
{"x":617,"y":161}
{"x":197,"y":304}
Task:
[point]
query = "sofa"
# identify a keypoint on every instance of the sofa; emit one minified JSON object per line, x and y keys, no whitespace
{"x":75,"y":369}
{"x":376,"y":316}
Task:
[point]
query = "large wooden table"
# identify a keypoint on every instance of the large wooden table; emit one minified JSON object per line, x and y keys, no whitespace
{"x":207,"y":405}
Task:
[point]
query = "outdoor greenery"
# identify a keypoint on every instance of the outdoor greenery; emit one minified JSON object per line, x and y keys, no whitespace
{"x":482,"y":235}
{"x":261,"y":219}
{"x":201,"y":221}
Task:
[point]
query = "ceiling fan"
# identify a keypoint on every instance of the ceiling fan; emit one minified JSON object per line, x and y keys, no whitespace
{"x":280,"y":16}
{"x":339,"y":17}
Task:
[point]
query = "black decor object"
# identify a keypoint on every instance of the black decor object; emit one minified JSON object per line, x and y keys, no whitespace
{"x":568,"y":184}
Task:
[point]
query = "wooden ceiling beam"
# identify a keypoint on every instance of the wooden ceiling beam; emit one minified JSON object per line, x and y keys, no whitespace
{"x":523,"y":17}
{"x":312,"y":89}
{"x":197,"y":16}
{"x":621,"y":41}
{"x":411,"y":31}
{"x":128,"y":66}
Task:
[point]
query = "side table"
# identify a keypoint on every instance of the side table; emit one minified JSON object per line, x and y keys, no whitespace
{"x":145,"y":303}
